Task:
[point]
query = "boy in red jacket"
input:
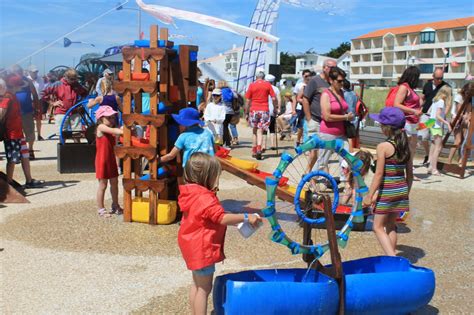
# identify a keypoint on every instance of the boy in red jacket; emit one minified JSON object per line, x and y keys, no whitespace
{"x":203,"y":226}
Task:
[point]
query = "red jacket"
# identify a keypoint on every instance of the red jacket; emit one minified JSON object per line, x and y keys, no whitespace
{"x":200,"y":236}
{"x":63,"y":91}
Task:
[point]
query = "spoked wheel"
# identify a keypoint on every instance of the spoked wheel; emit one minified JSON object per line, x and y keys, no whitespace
{"x":308,"y":187}
{"x":89,"y":70}
{"x":84,"y":126}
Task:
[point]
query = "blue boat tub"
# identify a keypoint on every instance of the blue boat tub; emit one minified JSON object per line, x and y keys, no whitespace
{"x":374,"y":285}
{"x":275,"y":291}
{"x":386,"y":285}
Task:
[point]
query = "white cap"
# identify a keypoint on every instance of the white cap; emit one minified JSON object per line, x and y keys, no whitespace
{"x":270,"y":78}
{"x":33,"y":68}
{"x":107,"y":71}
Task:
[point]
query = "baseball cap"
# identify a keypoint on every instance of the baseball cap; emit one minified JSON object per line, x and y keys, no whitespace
{"x":270,"y":78}
{"x":217,"y":92}
{"x":107,"y":71}
{"x":390,"y":116}
{"x":104,"y":111}
{"x":33,"y":68}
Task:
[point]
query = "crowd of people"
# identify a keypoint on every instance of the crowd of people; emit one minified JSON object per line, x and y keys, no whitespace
{"x":320,"y":104}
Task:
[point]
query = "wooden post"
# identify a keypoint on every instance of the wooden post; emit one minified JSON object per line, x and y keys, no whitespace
{"x":137,"y":165}
{"x":153,"y":129}
{"x":127,"y":162}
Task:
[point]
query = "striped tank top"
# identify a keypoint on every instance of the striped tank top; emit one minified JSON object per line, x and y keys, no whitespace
{"x":393,"y":192}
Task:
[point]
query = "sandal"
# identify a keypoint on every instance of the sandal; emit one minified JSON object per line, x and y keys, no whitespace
{"x":436,"y":173}
{"x":116,"y":209}
{"x":103,"y":213}
{"x":34,"y":183}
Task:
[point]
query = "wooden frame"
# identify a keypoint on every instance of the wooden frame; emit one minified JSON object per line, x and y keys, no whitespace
{"x":175,"y":71}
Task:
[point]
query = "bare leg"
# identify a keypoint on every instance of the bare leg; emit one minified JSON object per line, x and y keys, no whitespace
{"x":432,"y":148}
{"x":203,"y":289}
{"x":192,"y":295}
{"x":30,"y":145}
{"x":10,"y":171}
{"x":313,"y":157}
{"x":380,"y":221}
{"x":426,"y":146}
{"x":25,"y":164}
{"x":114,"y":190}
{"x":38,"y":127}
{"x":299,"y":135}
{"x":254,"y":137}
{"x":264,"y":139}
{"x":437,"y":144}
{"x":259,"y":137}
{"x":101,"y":193}
{"x":391,"y":229}
{"x":457,"y":142}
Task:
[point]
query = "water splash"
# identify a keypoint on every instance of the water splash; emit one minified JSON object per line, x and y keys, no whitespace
{"x":308,"y":270}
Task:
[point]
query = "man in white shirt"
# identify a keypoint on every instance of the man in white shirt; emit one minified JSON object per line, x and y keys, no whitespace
{"x":38,"y":83}
{"x":274,"y":110}
{"x":297,"y":106}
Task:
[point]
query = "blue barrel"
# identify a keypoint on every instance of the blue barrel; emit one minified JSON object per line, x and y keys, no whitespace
{"x":386,"y":285}
{"x":162,"y":172}
{"x":275,"y":291}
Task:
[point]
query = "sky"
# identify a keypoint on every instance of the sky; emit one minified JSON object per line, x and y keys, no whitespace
{"x":28,"y":25}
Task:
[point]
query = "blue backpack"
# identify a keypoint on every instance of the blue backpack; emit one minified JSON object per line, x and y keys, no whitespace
{"x":227,"y":95}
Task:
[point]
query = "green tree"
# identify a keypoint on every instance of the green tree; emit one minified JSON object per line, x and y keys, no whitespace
{"x":287,"y":62}
{"x":339,"y":51}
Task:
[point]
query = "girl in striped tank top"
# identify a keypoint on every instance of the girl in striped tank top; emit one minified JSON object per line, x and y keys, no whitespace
{"x":393,"y":178}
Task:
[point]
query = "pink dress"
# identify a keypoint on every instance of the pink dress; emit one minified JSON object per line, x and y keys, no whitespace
{"x":412,"y":101}
{"x":335,"y":128}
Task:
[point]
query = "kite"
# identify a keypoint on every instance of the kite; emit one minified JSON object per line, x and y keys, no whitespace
{"x":167,"y":15}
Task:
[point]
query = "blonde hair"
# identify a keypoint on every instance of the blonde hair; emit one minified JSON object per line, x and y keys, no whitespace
{"x":70,"y":73}
{"x":105,"y":86}
{"x":443,"y":94}
{"x":202,"y":169}
{"x":221,"y":84}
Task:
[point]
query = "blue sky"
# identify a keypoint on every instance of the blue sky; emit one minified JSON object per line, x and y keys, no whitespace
{"x":28,"y":25}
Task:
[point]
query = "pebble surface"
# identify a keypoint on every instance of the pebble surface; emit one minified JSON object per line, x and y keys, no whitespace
{"x":60,"y":257}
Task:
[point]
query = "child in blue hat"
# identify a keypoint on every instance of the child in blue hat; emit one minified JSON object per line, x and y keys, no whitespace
{"x":193,"y":139}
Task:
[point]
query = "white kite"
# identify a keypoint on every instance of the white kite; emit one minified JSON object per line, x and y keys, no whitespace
{"x":166,"y":15}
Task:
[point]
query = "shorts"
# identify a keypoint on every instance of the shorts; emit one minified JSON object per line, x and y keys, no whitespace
{"x":299,"y":118}
{"x":73,"y":123}
{"x":271,"y":128}
{"x":424,"y":134}
{"x":310,"y":128}
{"x":206,"y":271}
{"x":410,"y":129}
{"x":15,"y":150}
{"x":324,"y":154}
{"x":259,"y":119}
{"x":28,"y":125}
{"x":436,"y":132}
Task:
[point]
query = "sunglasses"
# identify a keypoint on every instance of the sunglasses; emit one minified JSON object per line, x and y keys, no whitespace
{"x":340,"y":81}
{"x":441,"y":78}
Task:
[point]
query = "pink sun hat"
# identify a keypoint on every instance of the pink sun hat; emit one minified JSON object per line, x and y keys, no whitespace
{"x":104,"y":111}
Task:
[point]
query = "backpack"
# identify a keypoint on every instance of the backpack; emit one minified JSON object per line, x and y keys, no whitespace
{"x":390,"y":100}
{"x":237,"y":103}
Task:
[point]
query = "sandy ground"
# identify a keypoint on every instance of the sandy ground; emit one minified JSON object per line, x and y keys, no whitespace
{"x":59,"y":257}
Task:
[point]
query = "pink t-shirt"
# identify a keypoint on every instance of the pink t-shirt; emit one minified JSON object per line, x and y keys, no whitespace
{"x":335,"y":128}
{"x":412,"y":101}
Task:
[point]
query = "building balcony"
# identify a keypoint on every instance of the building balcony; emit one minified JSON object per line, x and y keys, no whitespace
{"x":365,"y":76}
{"x":366,"y":63}
{"x":366,"y":51}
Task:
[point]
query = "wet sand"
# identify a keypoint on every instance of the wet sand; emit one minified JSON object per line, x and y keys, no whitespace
{"x":60,"y":257}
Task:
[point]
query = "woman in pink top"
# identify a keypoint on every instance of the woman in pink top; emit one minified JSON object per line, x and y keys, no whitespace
{"x":334,"y":113}
{"x":409,"y":102}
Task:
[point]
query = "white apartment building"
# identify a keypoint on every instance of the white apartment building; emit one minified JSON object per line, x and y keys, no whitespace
{"x":344,"y":62}
{"x":380,"y":57}
{"x":225,"y":66}
{"x":313,"y":62}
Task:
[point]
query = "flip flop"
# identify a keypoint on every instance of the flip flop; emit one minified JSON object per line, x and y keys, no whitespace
{"x":103,"y":213}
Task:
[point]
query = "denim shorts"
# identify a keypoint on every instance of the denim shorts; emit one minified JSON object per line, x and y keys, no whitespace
{"x":206,"y":271}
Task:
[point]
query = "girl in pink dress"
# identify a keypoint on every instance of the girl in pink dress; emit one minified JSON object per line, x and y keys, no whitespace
{"x":105,"y":164}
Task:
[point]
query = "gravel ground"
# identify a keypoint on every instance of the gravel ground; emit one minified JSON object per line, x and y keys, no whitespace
{"x":60,"y":257}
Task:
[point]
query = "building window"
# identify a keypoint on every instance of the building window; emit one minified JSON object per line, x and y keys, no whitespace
{"x":426,"y":68}
{"x":427,"y":37}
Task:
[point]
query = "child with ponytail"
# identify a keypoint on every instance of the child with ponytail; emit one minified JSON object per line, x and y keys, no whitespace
{"x":393,"y":178}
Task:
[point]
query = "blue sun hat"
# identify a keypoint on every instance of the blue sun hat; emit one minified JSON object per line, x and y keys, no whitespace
{"x":188,"y":117}
{"x":390,"y":116}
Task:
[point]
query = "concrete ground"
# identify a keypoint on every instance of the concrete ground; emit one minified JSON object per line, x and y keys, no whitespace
{"x":59,"y":257}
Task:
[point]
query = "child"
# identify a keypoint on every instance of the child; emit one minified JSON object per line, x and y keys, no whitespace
{"x":105,"y":164}
{"x":438,"y":112}
{"x":202,"y":232}
{"x":108,"y":97}
{"x":193,"y":139}
{"x":214,"y":116}
{"x":393,"y":178}
{"x":349,"y":191}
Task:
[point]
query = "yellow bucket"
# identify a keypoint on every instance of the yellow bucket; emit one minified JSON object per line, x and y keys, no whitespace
{"x":242,"y":164}
{"x":166,"y":213}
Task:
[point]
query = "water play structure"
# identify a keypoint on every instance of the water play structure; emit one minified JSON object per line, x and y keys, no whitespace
{"x":373,"y":285}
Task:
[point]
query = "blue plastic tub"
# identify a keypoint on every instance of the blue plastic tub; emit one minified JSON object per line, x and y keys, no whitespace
{"x":374,"y":285}
{"x":281,"y":291}
{"x":386,"y":285}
